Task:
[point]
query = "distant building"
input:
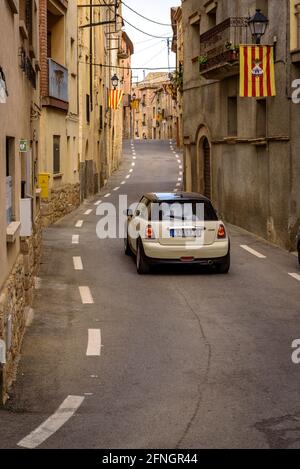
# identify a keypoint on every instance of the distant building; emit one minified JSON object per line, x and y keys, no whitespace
{"x":126,"y":51}
{"x":155,"y":116}
{"x":101,"y":51}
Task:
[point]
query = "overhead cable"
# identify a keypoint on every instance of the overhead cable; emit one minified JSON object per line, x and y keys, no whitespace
{"x":145,"y":18}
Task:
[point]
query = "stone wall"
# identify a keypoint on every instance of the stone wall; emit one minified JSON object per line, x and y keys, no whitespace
{"x":12,"y":322}
{"x":62,"y":201}
{"x":15,"y":300}
{"x":31,"y":248}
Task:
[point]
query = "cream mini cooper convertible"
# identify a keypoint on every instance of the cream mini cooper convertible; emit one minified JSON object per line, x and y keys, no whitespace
{"x":176,"y":228}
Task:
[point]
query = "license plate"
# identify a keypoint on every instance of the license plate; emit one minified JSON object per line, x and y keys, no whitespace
{"x":186,"y":233}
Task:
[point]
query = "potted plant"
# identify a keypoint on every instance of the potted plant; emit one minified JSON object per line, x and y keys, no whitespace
{"x":233,"y":51}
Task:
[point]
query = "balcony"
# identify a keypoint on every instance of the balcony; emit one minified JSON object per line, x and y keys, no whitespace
{"x":219,"y":48}
{"x":57,"y":86}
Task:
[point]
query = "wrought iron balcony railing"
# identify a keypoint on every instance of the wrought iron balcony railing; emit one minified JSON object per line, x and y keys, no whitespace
{"x":58,"y":81}
{"x":219,"y":48}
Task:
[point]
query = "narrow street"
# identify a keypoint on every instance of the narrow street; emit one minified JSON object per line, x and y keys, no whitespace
{"x":188,"y":358}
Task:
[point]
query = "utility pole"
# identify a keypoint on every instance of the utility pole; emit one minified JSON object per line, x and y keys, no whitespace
{"x":168,"y":47}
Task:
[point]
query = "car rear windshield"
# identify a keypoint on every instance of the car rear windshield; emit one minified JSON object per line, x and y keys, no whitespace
{"x":196,"y":210}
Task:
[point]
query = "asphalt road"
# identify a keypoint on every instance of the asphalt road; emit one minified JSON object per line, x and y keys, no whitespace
{"x":188,"y":358}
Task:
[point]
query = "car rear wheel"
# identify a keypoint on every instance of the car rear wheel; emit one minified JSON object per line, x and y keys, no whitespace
{"x":225,"y":266}
{"x":142,"y":265}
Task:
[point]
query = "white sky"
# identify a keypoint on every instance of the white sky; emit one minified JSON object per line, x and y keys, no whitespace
{"x":151,"y":52}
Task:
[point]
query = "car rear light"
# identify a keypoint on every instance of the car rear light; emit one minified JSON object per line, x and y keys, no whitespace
{"x":187,"y":259}
{"x":221,"y":232}
{"x":149,"y":232}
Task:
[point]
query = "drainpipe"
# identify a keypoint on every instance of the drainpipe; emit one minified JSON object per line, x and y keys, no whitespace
{"x":2,"y":363}
{"x":91,"y":55}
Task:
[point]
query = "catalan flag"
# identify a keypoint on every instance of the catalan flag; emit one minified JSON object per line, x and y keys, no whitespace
{"x":115,"y":98}
{"x":257,"y":73}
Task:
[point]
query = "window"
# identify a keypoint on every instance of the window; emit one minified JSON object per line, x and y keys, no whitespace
{"x":212,"y":18}
{"x":49,"y":53}
{"x":263,"y":5}
{"x":28,"y":18}
{"x":261,"y":118}
{"x":88,"y":108}
{"x":9,"y":172}
{"x":232,"y":116}
{"x":27,"y":181}
{"x":101,"y":118}
{"x":183,"y":210}
{"x":56,"y":154}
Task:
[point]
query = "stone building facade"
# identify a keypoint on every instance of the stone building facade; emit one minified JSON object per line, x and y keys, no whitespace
{"x":101,"y":51}
{"x":177,"y":48}
{"x":127,"y":50}
{"x":20,"y":223}
{"x":59,"y":107}
{"x":243,"y":153}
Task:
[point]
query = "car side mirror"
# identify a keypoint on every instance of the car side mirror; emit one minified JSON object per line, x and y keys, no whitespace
{"x":129,"y":212}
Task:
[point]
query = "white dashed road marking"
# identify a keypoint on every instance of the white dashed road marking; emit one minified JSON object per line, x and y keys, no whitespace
{"x":123,"y":182}
{"x":77,"y":263}
{"x":79,"y":224}
{"x":130,"y":170}
{"x":86,"y":296}
{"x":65,"y":411}
{"x":98,"y":202}
{"x":94,"y":343}
{"x":295,"y":276}
{"x":116,"y":188}
{"x":88,"y":212}
{"x":252,"y":251}
{"x":75,"y":239}
{"x":128,"y":176}
{"x":107,"y":195}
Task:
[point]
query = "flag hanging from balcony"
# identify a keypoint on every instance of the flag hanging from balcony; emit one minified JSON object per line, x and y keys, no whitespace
{"x":115,"y":98}
{"x":257,"y":71}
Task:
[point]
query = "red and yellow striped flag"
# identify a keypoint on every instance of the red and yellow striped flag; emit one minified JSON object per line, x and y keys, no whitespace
{"x":115,"y":98}
{"x":257,"y":72}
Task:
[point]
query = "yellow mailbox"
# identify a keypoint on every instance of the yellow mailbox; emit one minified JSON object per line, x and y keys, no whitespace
{"x":44,"y":184}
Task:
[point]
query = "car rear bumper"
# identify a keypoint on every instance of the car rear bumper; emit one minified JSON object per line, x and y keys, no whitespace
{"x":205,"y":255}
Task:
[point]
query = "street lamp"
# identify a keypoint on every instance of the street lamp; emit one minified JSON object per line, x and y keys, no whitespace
{"x":258,"y":24}
{"x":115,"y":81}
